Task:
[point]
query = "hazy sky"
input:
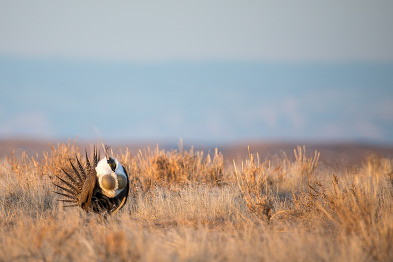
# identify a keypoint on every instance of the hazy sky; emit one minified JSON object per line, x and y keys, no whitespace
{"x":215,"y":71}
{"x":299,"y":30}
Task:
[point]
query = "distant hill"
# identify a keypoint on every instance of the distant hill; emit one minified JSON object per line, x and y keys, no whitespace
{"x":330,"y":153}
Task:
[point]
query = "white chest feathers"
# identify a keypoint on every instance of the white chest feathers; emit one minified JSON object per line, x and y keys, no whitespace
{"x":111,"y":182}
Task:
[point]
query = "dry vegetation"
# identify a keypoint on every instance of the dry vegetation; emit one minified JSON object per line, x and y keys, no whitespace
{"x":185,"y":206}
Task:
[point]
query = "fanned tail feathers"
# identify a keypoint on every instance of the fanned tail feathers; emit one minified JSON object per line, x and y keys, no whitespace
{"x":70,"y":183}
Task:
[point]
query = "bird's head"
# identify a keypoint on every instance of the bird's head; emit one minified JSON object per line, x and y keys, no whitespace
{"x":111,"y":176}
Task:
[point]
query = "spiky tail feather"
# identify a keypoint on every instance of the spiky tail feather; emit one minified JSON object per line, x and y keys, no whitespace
{"x":71,"y":184}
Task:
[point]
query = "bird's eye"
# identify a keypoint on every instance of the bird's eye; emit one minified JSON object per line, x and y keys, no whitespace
{"x":112,"y":164}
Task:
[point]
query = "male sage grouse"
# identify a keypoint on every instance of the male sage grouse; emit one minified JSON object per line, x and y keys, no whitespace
{"x":101,"y":186}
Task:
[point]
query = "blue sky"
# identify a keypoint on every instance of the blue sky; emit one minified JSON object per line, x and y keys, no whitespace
{"x":203,"y":71}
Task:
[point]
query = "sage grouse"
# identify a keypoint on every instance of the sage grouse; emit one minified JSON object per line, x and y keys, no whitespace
{"x":101,"y":186}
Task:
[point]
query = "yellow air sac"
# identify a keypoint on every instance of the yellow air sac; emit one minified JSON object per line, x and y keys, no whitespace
{"x":108,"y":182}
{"x":122,"y":181}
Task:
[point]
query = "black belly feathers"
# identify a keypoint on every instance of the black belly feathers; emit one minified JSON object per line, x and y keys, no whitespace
{"x":80,"y":187}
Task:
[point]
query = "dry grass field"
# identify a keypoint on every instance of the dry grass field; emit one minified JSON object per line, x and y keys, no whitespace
{"x":186,"y":205}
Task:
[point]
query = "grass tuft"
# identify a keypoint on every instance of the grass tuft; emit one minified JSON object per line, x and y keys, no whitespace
{"x":186,"y":206}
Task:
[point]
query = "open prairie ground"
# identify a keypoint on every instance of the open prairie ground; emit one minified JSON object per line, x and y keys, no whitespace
{"x":189,"y":205}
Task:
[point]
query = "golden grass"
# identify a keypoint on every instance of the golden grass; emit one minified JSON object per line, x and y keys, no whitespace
{"x":185,"y":206}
